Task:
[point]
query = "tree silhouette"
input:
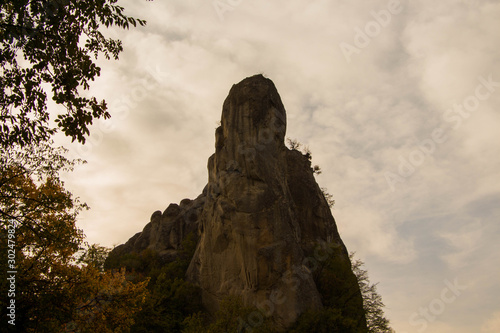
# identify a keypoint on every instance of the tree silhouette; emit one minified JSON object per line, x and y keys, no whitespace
{"x":54,"y":289}
{"x":372,"y":301}
{"x":53,"y":43}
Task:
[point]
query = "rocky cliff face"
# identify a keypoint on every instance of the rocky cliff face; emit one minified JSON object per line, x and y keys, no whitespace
{"x":165,"y":231}
{"x":262,"y":220}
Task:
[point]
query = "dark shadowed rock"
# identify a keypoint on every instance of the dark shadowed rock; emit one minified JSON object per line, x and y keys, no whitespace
{"x":264,"y":213}
{"x":165,"y":232}
{"x":261,"y":218}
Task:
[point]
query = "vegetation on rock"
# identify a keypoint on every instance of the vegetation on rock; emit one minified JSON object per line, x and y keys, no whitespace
{"x":174,"y":305}
{"x":59,"y":284}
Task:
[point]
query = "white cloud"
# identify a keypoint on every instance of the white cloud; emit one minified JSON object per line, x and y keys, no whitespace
{"x":378,"y":238}
{"x":492,"y":324}
{"x":463,"y":241}
{"x":443,"y":42}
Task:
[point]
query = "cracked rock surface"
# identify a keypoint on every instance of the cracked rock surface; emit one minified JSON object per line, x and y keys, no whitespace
{"x":259,"y":220}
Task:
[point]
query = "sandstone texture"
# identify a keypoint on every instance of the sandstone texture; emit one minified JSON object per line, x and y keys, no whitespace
{"x":261,"y":218}
{"x":165,"y":231}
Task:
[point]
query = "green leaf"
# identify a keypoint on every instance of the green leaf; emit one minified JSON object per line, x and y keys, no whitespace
{"x":46,"y":35}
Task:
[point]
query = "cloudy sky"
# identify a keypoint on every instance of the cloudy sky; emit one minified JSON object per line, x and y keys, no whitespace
{"x":397,"y":100}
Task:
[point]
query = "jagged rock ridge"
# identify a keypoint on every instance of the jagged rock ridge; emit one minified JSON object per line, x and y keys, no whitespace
{"x":260,"y":218}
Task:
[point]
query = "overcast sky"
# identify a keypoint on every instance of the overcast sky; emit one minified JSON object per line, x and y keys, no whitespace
{"x":398,"y":102}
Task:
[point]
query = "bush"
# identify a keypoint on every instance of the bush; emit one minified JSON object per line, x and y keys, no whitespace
{"x":327,"y":320}
{"x":232,"y":316}
{"x":169,"y":303}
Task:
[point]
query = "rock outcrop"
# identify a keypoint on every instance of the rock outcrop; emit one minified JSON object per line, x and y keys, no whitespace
{"x":166,"y":231}
{"x":263,"y":222}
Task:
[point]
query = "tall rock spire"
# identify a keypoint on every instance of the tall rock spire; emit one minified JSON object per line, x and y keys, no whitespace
{"x":264,"y":213}
{"x":264,"y":226}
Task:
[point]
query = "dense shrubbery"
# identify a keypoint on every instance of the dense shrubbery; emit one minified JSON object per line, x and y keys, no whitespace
{"x":341,"y":298}
{"x":231,"y":317}
{"x":174,"y":305}
{"x":169,"y":303}
{"x":60,"y":284}
{"x":339,"y":287}
{"x":327,"y":320}
{"x":171,"y":299}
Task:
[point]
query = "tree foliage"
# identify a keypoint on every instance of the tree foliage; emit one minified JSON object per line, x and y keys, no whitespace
{"x":56,"y":291}
{"x":105,"y":302}
{"x":293,"y":144}
{"x":95,"y":256}
{"x":53,"y":43}
{"x":338,"y":289}
{"x":372,"y":300}
{"x":169,"y":303}
{"x":340,"y":292}
{"x":351,"y":303}
{"x":171,"y":299}
{"x":232,"y":316}
{"x":328,"y":197}
{"x":327,"y":320}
